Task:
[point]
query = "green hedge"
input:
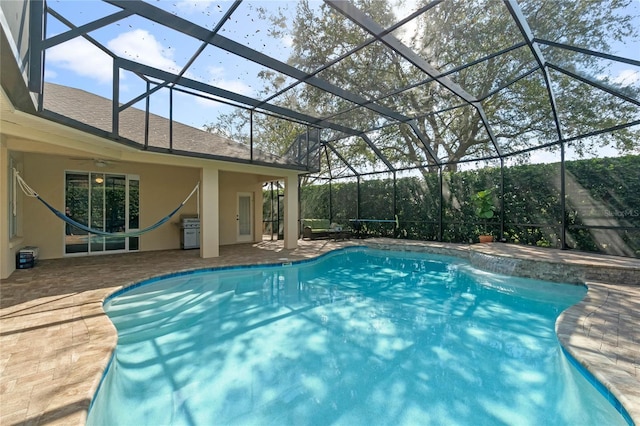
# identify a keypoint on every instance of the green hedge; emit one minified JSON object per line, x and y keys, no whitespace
{"x":600,"y":193}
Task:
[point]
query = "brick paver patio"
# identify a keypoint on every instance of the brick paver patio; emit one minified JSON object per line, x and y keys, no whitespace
{"x":55,"y":339}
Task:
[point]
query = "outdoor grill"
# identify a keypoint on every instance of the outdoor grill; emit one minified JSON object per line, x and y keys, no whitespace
{"x":189,"y":232}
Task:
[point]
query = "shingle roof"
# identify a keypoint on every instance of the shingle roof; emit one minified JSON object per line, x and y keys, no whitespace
{"x":95,"y":111}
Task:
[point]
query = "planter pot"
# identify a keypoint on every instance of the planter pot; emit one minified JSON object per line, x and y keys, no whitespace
{"x":486,"y":238}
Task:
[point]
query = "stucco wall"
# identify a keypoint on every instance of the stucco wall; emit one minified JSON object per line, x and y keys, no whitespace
{"x":5,"y":267}
{"x":230,"y":184}
{"x":162,"y":188}
{"x":9,"y":245}
{"x":44,"y":150}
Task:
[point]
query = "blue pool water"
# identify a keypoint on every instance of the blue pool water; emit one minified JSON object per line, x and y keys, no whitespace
{"x":357,"y":337}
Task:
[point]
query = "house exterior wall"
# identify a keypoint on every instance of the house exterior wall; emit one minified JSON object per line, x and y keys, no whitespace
{"x":9,"y":245}
{"x":210,"y":212}
{"x":230,"y":184}
{"x":5,"y":244}
{"x":291,"y":228}
{"x":162,"y":189}
{"x":42,"y":151}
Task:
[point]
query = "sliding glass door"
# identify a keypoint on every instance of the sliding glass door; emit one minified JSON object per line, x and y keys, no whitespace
{"x":105,"y":202}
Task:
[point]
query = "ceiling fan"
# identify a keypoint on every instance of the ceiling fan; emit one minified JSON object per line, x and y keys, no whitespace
{"x":98,"y":163}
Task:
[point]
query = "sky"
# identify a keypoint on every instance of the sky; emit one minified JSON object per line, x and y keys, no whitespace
{"x":78,"y":63}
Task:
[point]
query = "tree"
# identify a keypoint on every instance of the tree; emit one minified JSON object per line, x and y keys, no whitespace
{"x":510,"y":91}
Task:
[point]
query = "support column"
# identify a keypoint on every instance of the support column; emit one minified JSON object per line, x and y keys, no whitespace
{"x":5,"y":262}
{"x":209,"y":213}
{"x":291,"y":212}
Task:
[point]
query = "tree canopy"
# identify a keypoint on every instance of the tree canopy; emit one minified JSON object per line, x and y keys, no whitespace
{"x":479,"y":48}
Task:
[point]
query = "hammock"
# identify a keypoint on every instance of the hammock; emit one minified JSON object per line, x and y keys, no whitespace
{"x":31,"y":193}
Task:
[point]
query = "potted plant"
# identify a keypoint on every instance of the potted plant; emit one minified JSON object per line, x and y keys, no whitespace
{"x":483,"y":207}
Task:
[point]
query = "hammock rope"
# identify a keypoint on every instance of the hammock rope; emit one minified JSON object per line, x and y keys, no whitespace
{"x":29,"y":192}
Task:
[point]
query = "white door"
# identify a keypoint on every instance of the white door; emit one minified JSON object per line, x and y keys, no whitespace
{"x":244,"y":217}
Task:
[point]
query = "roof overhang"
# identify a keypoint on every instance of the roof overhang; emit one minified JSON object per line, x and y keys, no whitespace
{"x":30,"y":133}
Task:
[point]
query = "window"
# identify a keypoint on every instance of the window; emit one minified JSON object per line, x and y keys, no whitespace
{"x":102,"y":201}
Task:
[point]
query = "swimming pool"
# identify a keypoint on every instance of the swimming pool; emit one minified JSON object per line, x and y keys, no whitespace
{"x":358,"y":336}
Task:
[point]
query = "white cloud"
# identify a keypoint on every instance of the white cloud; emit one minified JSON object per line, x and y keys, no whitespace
{"x":235,"y":86}
{"x":207,"y":103}
{"x":83,"y":58}
{"x":627,"y":78}
{"x":50,"y":75}
{"x":192,"y":6}
{"x":217,"y":79}
{"x":141,"y":46}
{"x":215,"y":72}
